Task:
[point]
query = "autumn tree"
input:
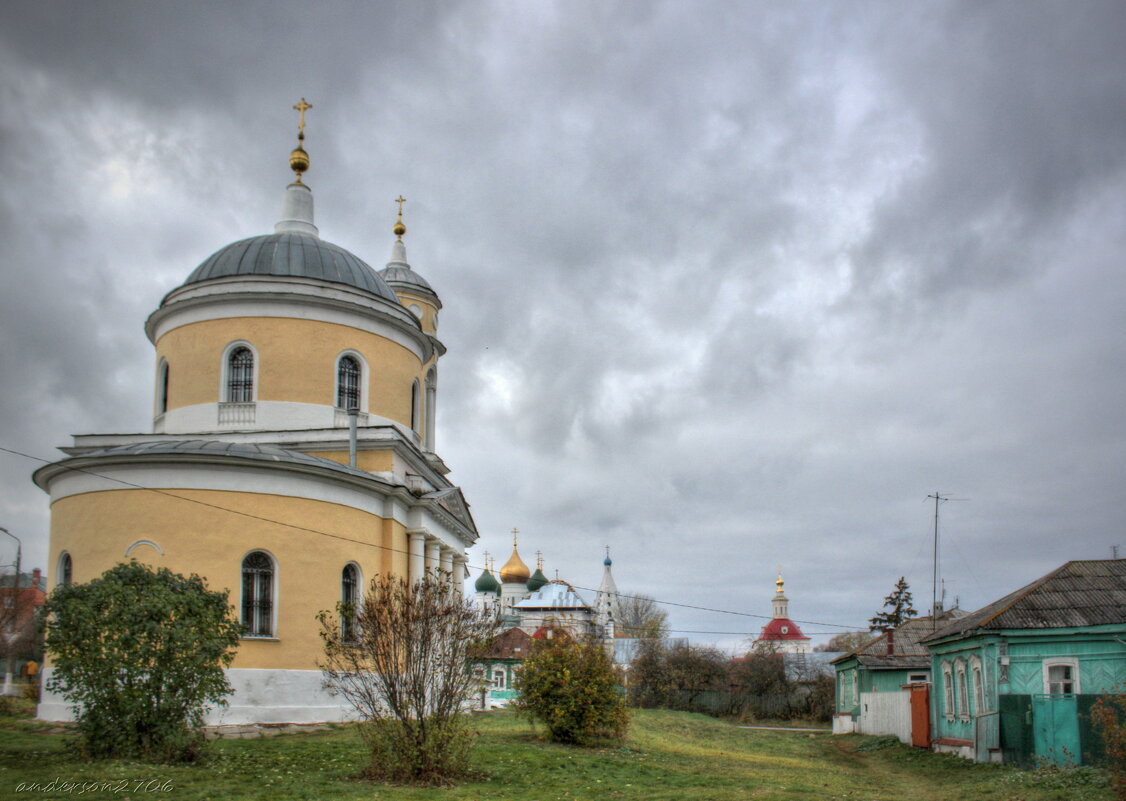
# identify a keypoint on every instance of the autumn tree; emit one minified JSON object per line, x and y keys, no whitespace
{"x":897,"y":608}
{"x":639,"y":616}
{"x":400,"y":657}
{"x":846,"y":641}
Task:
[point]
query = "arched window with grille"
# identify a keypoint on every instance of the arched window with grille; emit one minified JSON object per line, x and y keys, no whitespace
{"x":257,"y":595}
{"x":348,"y":383}
{"x":240,"y":375}
{"x":349,"y":597}
{"x":66,"y":569}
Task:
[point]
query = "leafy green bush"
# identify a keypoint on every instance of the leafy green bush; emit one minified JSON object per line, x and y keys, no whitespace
{"x":139,"y":654}
{"x":571,"y":688}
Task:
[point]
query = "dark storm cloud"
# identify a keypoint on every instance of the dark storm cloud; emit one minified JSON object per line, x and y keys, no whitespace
{"x":722,"y":292}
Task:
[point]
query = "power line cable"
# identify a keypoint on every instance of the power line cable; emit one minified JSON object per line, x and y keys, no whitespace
{"x":388,"y":548}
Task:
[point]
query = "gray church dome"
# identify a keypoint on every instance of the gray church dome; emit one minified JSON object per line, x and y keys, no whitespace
{"x":292,"y":255}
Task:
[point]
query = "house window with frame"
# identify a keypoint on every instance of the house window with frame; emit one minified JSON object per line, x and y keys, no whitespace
{"x":240,"y":376}
{"x":948,"y":690}
{"x":498,"y":679}
{"x":1062,"y":678}
{"x":979,"y":690}
{"x":963,"y":694}
{"x":348,"y":383}
{"x":349,"y":597}
{"x":257,"y":595}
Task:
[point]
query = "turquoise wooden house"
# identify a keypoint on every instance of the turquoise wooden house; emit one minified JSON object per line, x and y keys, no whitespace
{"x":872,"y":681}
{"x":495,"y":669}
{"x":1015,"y":680}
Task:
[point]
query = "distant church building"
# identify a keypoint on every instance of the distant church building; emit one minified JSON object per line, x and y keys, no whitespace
{"x":292,"y":454}
{"x":781,"y":634}
{"x":531,"y":602}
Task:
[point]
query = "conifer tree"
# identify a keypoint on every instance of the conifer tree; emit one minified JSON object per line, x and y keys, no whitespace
{"x":897,"y":608}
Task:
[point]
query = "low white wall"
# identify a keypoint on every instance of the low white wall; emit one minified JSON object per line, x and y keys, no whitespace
{"x":843,"y":723}
{"x":260,"y":696}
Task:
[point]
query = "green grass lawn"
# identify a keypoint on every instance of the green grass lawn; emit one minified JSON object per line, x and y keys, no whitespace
{"x":668,"y":755}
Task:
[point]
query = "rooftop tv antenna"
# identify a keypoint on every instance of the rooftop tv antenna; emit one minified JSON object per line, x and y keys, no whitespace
{"x":939,"y":497}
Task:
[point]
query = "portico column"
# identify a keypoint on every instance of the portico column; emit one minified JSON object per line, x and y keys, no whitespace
{"x":433,"y":553}
{"x":416,"y":562}
{"x":458,"y":582}
{"x":447,"y":563}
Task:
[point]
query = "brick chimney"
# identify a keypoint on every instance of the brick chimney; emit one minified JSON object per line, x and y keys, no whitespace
{"x":891,"y":642}
{"x":36,"y":578}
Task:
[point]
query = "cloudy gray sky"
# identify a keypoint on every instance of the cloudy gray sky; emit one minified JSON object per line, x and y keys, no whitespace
{"x":726,"y":285}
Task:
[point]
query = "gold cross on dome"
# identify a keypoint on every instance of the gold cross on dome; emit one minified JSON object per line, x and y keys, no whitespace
{"x":400,"y":200}
{"x":301,"y":108}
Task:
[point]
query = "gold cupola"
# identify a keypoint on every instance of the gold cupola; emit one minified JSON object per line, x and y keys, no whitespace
{"x":514,"y":570}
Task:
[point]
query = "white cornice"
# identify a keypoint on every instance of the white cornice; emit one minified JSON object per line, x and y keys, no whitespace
{"x":298,"y":298}
{"x":369,"y":438}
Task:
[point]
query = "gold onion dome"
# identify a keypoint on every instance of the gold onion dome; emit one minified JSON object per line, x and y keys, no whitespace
{"x":514,"y":569}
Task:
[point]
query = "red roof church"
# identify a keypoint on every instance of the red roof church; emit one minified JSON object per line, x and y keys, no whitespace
{"x":782,"y":634}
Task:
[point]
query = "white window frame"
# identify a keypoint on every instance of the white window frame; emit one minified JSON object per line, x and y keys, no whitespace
{"x":948,"y":690}
{"x":499,"y":679}
{"x":961,"y":689}
{"x":918,"y":678}
{"x":1061,"y":661}
{"x":364,"y":378}
{"x":225,"y":370}
{"x":275,"y":585}
{"x":977,"y":677}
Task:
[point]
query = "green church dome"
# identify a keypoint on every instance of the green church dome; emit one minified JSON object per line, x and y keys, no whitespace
{"x":537,"y":580}
{"x":486,"y":582}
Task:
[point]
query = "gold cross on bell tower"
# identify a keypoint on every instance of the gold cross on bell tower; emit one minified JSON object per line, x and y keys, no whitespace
{"x":301,"y":108}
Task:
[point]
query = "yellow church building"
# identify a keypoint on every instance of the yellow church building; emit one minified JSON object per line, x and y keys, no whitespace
{"x":292,"y":454}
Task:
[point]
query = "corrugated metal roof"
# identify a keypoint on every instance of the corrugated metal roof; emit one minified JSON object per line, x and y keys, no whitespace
{"x":291,"y":254}
{"x":1080,"y":593}
{"x":907,"y":650}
